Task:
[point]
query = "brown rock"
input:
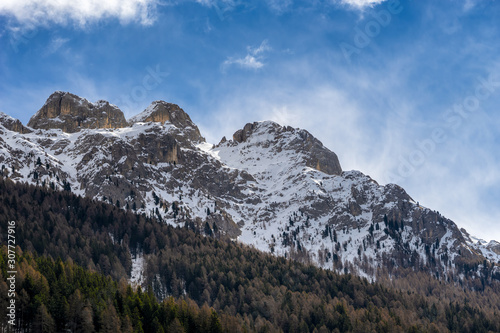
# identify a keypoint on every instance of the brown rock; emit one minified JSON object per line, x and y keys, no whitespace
{"x":162,"y":112}
{"x":243,"y":134}
{"x":71,"y":113}
{"x":13,"y":124}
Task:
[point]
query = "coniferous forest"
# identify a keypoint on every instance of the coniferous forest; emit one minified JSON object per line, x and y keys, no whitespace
{"x":74,"y":257}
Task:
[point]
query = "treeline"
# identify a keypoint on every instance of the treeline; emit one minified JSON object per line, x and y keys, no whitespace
{"x":57,"y":296}
{"x":254,"y":290}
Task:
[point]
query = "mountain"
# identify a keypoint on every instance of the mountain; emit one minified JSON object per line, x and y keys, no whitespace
{"x":273,"y":187}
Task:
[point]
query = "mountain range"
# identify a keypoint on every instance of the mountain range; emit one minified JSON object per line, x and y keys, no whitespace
{"x":273,"y":187}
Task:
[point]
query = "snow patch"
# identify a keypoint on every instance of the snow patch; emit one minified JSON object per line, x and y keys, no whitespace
{"x":136,"y":274}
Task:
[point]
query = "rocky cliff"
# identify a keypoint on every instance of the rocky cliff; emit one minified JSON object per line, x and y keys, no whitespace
{"x":72,"y":113}
{"x":161,"y":112}
{"x":13,"y":124}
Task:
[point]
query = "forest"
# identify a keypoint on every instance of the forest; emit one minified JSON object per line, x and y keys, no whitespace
{"x":57,"y":296}
{"x":75,"y":256}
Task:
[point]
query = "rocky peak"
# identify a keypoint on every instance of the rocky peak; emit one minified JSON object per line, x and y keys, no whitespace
{"x":268,"y":133}
{"x":162,"y":112}
{"x":242,"y":135}
{"x":71,"y":113}
{"x":13,"y":124}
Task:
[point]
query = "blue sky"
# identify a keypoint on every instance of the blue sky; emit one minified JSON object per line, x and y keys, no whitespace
{"x":405,"y":91}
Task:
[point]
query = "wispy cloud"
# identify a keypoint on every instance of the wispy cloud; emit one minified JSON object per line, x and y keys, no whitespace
{"x":41,"y":13}
{"x":470,"y":4}
{"x":55,"y":45}
{"x":361,"y":4}
{"x":253,"y":59}
{"x":249,"y":61}
{"x":279,"y":6}
{"x":224,"y":7}
{"x":264,"y":47}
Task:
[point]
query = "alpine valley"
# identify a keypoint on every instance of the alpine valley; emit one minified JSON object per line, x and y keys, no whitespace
{"x":272,"y":187}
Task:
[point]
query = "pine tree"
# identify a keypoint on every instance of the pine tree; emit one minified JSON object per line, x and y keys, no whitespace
{"x":215,"y":325}
{"x":175,"y":327}
{"x":44,"y":321}
{"x":66,"y":186}
{"x":110,"y":322}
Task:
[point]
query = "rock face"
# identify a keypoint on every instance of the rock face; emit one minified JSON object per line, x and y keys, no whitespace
{"x":274,"y":187}
{"x":161,"y":111}
{"x":72,"y":113}
{"x":13,"y":124}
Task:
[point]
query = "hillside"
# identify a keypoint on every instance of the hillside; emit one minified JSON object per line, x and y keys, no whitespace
{"x":250,"y":290}
{"x":57,"y":296}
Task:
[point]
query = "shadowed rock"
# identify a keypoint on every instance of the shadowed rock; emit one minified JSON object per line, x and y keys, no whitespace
{"x":13,"y":124}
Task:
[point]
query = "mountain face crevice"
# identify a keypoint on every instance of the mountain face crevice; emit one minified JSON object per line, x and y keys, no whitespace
{"x":274,"y":187}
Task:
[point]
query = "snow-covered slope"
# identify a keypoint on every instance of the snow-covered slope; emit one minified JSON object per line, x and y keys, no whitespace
{"x":490,"y":250}
{"x":273,"y":187}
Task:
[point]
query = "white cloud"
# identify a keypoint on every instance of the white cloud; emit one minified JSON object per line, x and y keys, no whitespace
{"x":253,"y":60}
{"x":40,"y":13}
{"x":249,"y":61}
{"x":279,"y":6}
{"x":223,"y":7}
{"x":469,"y":4}
{"x":264,"y":47}
{"x":56,"y":44}
{"x":361,"y":3}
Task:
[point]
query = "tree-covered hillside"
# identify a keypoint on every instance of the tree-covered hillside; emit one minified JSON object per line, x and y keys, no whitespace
{"x":249,"y":290}
{"x":57,"y":296}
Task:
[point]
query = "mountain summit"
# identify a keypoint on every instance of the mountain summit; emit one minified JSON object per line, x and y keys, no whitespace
{"x":161,"y":111}
{"x":274,"y":187}
{"x":71,"y":113}
{"x":299,"y":141}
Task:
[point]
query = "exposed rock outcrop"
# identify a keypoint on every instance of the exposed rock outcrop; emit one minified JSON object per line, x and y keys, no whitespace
{"x":72,"y":113}
{"x":163,"y":112}
{"x":13,"y":124}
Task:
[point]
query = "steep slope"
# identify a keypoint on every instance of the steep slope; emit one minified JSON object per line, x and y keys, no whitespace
{"x":276,"y":188}
{"x":341,"y":220}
